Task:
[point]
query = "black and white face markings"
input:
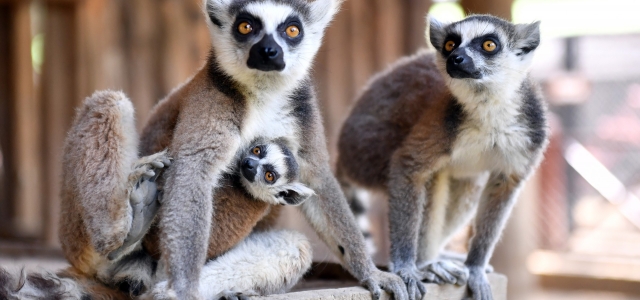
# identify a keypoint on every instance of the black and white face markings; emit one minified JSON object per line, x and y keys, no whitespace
{"x":481,"y":46}
{"x":270,"y":173}
{"x":268,"y":43}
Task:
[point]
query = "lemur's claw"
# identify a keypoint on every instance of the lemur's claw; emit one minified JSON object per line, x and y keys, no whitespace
{"x":388,"y":282}
{"x":478,"y":284}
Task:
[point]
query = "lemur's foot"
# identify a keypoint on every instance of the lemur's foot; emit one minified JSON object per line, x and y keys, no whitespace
{"x":461,"y":258}
{"x":228,"y":295}
{"x":162,"y":291}
{"x":478,"y":284}
{"x":412,"y":278}
{"x":445,"y":271}
{"x":143,"y":197}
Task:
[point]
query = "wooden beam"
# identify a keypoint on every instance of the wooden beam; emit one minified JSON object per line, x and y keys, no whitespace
{"x":59,"y":99}
{"x":500,"y":8}
{"x":20,"y":136}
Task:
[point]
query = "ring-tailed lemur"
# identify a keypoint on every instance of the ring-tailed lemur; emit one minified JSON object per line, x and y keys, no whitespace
{"x":448,"y":134}
{"x":255,"y":83}
{"x":267,"y":171}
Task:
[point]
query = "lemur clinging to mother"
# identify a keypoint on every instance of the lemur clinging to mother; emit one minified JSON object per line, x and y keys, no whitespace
{"x":449,"y":134}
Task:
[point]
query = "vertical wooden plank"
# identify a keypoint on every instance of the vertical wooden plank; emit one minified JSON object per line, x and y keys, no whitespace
{"x":26,"y":141}
{"x":59,"y":93}
{"x":338,"y":77}
{"x":7,"y":173}
{"x":500,"y":8}
{"x":143,"y":44}
{"x":389,"y":31}
{"x":363,"y":47}
{"x":20,"y":189}
{"x":416,"y":13}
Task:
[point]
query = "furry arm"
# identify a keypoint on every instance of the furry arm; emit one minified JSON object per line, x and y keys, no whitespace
{"x":202,"y":147}
{"x":329,"y":215}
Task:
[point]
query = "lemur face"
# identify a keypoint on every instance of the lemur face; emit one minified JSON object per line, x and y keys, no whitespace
{"x":270,"y":173}
{"x":483,"y":47}
{"x":267,"y":37}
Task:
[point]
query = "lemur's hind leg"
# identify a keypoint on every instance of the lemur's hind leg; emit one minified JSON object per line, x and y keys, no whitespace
{"x":453,"y":203}
{"x":109,"y":197}
{"x":264,"y":263}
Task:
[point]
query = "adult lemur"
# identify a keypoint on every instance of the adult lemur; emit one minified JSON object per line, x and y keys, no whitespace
{"x":431,"y":131}
{"x":254,"y":84}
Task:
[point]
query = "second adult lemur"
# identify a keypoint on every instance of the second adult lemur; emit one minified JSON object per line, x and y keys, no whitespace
{"x":448,"y":134}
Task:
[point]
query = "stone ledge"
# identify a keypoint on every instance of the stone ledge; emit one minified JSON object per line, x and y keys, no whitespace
{"x":434,"y":292}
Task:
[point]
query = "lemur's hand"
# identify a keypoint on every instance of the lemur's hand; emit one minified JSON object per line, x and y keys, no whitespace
{"x":143,"y":197}
{"x":412,"y":277}
{"x":479,"y":284}
{"x":445,"y":271}
{"x":389,"y":282}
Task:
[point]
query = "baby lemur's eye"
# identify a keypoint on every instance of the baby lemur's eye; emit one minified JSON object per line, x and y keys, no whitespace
{"x":489,"y":45}
{"x":256,"y":151}
{"x":292,"y":31}
{"x":269,"y":177}
{"x":245,"y":28}
{"x":448,"y":46}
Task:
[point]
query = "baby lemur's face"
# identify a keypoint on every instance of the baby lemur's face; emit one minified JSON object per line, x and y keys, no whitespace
{"x":258,"y":40}
{"x":484,"y":48}
{"x":270,"y":173}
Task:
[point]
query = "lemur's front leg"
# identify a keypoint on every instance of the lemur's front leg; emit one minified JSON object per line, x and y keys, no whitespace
{"x":143,"y":197}
{"x":496,"y":203}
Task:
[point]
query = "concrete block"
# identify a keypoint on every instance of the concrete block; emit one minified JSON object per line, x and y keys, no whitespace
{"x":434,"y":292}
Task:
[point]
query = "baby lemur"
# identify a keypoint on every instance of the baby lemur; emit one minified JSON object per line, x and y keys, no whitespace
{"x":265,"y":174}
{"x":449,"y":134}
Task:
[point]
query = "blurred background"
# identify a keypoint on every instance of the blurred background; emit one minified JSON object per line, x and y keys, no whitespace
{"x":575,"y":234}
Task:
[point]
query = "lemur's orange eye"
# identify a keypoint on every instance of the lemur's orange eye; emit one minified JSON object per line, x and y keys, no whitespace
{"x":245,"y":28}
{"x":256,"y":150}
{"x":292,"y":31}
{"x":269,"y":177}
{"x":448,"y":46}
{"x":489,"y":45}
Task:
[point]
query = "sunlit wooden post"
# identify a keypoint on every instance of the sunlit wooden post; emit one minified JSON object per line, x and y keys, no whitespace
{"x":500,"y":8}
{"x":19,"y":125}
{"x":60,"y":96}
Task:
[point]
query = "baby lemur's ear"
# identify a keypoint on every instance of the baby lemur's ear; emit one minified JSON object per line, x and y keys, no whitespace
{"x":435,"y":32}
{"x":215,"y":11}
{"x":527,"y":37}
{"x":295,"y":193}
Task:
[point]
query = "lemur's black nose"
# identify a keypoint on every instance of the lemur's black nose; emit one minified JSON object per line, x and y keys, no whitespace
{"x":249,"y":168}
{"x":266,"y":55}
{"x":460,"y":65}
{"x":268,"y":52}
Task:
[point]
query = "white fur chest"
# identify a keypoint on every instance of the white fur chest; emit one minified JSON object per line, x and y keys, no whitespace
{"x":269,"y":116}
{"x":492,"y":138}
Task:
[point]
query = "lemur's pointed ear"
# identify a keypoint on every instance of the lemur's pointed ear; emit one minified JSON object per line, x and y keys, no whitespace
{"x":322,"y":11}
{"x":295,"y":193}
{"x":214,"y":11}
{"x":527,"y":37}
{"x":435,"y":32}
